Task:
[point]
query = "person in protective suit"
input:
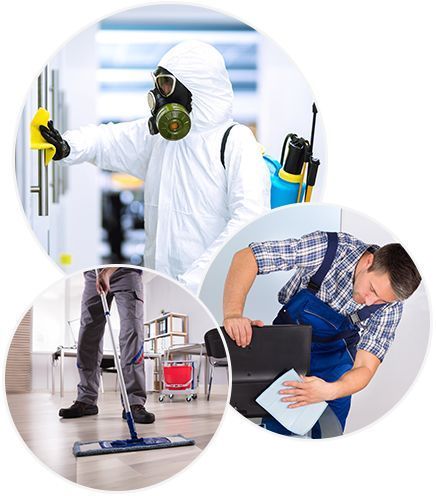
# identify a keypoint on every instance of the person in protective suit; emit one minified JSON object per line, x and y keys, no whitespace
{"x":350,"y":293}
{"x":193,"y":200}
{"x":125,"y":285}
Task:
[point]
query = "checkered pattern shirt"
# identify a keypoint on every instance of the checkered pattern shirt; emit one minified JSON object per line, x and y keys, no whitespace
{"x":304,"y":256}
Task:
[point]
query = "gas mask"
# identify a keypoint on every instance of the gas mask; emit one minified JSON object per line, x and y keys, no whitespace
{"x":170,"y":105}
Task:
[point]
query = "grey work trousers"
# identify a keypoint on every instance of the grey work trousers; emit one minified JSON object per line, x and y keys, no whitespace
{"x":127,"y":289}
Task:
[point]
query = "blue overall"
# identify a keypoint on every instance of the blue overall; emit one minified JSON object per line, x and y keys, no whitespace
{"x":334,"y":336}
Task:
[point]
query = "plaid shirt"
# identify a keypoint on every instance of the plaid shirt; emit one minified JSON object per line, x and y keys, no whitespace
{"x":305,"y":256}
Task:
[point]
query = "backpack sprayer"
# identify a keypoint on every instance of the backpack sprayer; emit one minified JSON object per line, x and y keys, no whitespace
{"x":293,"y":179}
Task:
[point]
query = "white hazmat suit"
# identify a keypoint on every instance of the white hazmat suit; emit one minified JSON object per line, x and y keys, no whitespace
{"x":192,"y":204}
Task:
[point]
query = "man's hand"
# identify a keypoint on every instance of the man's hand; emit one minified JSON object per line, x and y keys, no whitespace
{"x":312,"y":390}
{"x":53,"y":136}
{"x":102,"y":281}
{"x":239,"y":329}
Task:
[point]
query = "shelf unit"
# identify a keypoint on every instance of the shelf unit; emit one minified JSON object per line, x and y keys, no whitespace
{"x":162,"y":332}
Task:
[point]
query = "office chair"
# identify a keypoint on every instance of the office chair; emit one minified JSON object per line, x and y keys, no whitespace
{"x":216,"y":355}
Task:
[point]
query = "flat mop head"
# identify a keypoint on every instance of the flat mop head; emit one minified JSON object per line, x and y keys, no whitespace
{"x":90,"y":448}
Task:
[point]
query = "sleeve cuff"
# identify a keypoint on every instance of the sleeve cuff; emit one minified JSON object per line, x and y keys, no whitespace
{"x":259,"y":250}
{"x":373,"y":348}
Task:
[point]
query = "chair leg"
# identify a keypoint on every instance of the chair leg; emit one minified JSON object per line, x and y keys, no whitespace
{"x":101,"y":382}
{"x":210,"y":382}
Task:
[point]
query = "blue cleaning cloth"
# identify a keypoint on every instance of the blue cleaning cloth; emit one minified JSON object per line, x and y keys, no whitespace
{"x":297,"y":420}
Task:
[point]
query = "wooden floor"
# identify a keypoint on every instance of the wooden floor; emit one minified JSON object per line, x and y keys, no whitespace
{"x":51,"y":438}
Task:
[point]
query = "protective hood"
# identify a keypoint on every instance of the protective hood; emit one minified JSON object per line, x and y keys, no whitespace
{"x":201,"y":68}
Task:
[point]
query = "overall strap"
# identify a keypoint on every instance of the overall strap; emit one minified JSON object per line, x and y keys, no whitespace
{"x":224,"y":141}
{"x":317,"y":279}
{"x":364,"y":313}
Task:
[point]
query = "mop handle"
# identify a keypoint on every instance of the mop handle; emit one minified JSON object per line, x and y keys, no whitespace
{"x":118,"y":365}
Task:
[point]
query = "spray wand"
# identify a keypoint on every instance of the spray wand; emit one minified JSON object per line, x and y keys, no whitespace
{"x":313,"y":163}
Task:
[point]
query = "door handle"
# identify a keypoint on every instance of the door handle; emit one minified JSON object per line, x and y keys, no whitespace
{"x":54,"y":90}
{"x":63,"y":122}
{"x":42,"y":187}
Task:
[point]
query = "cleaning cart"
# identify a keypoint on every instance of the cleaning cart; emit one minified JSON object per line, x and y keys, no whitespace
{"x":179,"y":377}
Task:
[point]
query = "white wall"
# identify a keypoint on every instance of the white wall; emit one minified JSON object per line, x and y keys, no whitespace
{"x":41,"y":371}
{"x":49,"y":319}
{"x":280,"y":223}
{"x":285,"y":106}
{"x":405,"y":357}
{"x":51,"y":311}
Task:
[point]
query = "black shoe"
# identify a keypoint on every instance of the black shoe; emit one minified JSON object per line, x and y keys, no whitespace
{"x":140,"y":415}
{"x":78,"y":409}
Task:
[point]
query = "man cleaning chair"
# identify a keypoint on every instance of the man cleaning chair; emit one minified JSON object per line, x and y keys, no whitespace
{"x":350,"y":292}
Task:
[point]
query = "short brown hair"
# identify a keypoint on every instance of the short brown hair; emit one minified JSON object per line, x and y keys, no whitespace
{"x":394,"y":260}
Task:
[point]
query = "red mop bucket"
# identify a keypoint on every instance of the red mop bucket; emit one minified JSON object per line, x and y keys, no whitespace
{"x":178,"y":376}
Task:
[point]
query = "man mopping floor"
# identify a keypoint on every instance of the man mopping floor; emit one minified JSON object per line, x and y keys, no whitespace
{"x":125,"y":285}
{"x":134,"y":443}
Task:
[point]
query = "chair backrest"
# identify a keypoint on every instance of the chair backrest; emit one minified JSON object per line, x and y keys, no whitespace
{"x":214,"y":344}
